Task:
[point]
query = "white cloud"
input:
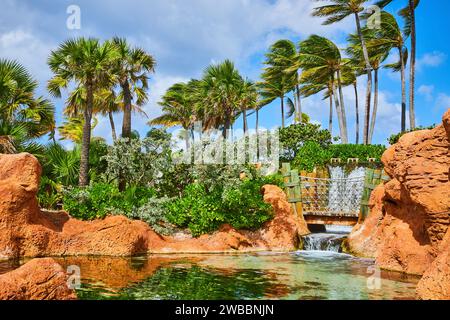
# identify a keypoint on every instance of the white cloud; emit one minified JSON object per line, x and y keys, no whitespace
{"x":442,"y":102}
{"x":432,"y":59}
{"x":426,"y":91}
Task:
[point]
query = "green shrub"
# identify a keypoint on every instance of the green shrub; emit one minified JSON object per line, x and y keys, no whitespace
{"x":295,"y":136}
{"x":244,"y":207}
{"x":101,"y":199}
{"x":239,"y":204}
{"x":154,"y":213}
{"x":196,"y":210}
{"x":313,"y":155}
{"x":360,"y":151}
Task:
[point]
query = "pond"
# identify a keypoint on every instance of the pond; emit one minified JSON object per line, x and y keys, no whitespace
{"x":303,"y":275}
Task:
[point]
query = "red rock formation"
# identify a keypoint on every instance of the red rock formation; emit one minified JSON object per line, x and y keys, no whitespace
{"x":410,"y":214}
{"x":39,"y":279}
{"x":26,"y":231}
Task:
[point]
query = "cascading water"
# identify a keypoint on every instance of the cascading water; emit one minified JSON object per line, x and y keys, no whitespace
{"x":344,"y":196}
{"x":331,"y":240}
{"x":345,"y":190}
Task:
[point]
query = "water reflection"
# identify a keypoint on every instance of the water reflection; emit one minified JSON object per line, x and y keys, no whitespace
{"x":300,"y":275}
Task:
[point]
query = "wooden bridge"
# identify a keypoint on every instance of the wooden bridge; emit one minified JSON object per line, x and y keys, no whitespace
{"x":326,"y":201}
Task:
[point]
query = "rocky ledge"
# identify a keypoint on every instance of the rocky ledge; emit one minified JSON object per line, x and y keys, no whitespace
{"x":39,"y":279}
{"x":407,"y":229}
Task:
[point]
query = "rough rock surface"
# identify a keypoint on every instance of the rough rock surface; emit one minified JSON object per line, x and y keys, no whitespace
{"x":409,"y":216}
{"x":28,"y":232}
{"x":39,"y":279}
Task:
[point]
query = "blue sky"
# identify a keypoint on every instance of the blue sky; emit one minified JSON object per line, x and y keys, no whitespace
{"x":187,"y":35}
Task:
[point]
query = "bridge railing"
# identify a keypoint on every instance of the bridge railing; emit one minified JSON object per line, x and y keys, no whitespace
{"x":315,"y":194}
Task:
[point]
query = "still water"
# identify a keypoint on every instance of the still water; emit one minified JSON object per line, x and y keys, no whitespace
{"x":301,"y":275}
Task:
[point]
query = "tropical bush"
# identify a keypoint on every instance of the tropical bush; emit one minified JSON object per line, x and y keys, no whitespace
{"x":154,"y":212}
{"x":295,"y":136}
{"x":138,"y":162}
{"x":101,"y":199}
{"x":313,"y":155}
{"x":205,"y":207}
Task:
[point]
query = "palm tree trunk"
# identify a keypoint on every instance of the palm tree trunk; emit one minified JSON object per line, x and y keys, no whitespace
{"x":412,"y":71}
{"x":330,"y":121}
{"x":369,"y":80}
{"x":282,"y":112}
{"x":355,"y":86}
{"x":402,"y":71}
{"x":113,"y":126}
{"x":186,"y":139}
{"x":375,"y":108}
{"x":257,"y":120}
{"x":299,"y":103}
{"x":126,"y":125}
{"x":86,"y":140}
{"x":338,"y":112}
{"x":344,"y":117}
{"x":244,"y":115}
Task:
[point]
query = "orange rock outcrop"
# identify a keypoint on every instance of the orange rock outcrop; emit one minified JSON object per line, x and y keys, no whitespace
{"x":39,"y":279}
{"x":28,"y":232}
{"x":409,"y":221}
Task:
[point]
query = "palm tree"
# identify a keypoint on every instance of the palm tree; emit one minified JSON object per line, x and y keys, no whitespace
{"x":247,"y":100}
{"x":178,"y":107}
{"x":337,"y":11}
{"x":391,"y":37}
{"x":87,"y":63}
{"x":322,"y":64}
{"x":23,"y":116}
{"x":220,"y":88}
{"x":377,"y":55}
{"x":132,"y":68}
{"x":280,"y":76}
{"x":409,"y":15}
{"x":72,"y":129}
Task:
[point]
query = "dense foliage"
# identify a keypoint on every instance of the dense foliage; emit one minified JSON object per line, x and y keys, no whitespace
{"x":313,"y":155}
{"x":295,"y":136}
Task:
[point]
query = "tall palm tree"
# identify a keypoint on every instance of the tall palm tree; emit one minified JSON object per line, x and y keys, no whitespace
{"x":409,"y":15}
{"x":377,"y":55}
{"x":279,"y":76}
{"x":132,"y":67}
{"x":283,"y":58}
{"x":221,"y":86}
{"x":337,"y":11}
{"x":391,"y":37}
{"x":322,"y":64}
{"x":87,"y":63}
{"x":23,"y":116}
{"x":178,"y":107}
{"x":247,"y":100}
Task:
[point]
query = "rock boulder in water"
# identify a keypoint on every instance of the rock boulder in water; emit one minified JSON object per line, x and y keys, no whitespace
{"x":39,"y":279}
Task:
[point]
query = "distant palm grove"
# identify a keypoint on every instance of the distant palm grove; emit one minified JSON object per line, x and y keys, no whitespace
{"x":104,"y":78}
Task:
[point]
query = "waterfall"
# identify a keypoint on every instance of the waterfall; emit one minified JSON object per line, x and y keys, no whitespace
{"x":329,"y":241}
{"x":345,"y":191}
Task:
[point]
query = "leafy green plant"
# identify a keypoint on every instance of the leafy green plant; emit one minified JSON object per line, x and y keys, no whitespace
{"x":196,"y":210}
{"x":101,"y":199}
{"x":154,"y":212}
{"x":295,"y":136}
{"x":313,"y":155}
